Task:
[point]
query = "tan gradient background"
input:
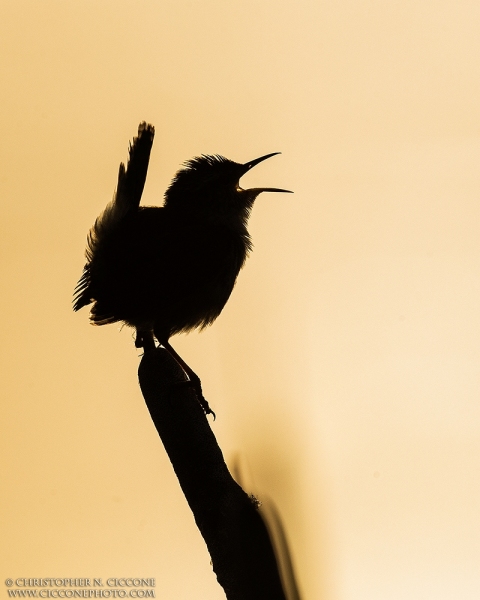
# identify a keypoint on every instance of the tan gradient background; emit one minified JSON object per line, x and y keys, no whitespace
{"x":344,"y":370}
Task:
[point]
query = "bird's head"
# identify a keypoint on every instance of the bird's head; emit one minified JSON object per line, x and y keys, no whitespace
{"x":210,"y":185}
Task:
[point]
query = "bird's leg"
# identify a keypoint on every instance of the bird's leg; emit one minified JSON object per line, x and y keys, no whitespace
{"x":194,"y":378}
{"x":145,"y":340}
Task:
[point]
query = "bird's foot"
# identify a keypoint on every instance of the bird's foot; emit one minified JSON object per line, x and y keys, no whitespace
{"x":197,"y":388}
{"x":145,"y":340}
{"x":193,"y":378}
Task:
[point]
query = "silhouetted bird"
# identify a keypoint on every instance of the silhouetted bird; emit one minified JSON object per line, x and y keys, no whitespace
{"x":171,"y":269}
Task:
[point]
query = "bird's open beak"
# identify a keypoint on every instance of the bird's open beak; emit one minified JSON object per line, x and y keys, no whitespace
{"x":252,"y":163}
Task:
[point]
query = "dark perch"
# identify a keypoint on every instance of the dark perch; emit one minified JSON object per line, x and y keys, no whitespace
{"x":242,"y":555}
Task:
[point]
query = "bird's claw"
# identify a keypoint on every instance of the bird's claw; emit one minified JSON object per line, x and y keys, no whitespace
{"x":197,"y":388}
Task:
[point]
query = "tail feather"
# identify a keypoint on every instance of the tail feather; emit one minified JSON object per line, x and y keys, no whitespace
{"x":131,"y":181}
{"x":100,"y":315}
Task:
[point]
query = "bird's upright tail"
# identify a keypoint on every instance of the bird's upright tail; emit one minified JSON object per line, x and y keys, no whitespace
{"x":131,"y":181}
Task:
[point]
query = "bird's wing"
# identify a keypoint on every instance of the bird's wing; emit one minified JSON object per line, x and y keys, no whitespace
{"x":81,"y":294}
